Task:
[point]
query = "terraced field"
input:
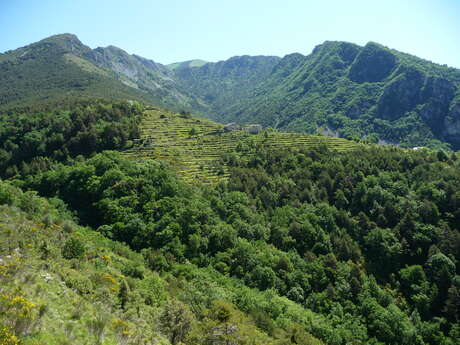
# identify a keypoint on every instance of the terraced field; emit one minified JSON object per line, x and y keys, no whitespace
{"x":193,"y":146}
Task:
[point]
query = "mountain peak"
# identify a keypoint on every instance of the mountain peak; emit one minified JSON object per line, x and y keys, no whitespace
{"x":62,"y":38}
{"x":66,"y":36}
{"x":68,"y":42}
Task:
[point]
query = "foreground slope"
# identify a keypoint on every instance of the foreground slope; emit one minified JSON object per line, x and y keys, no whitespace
{"x":368,"y":242}
{"x":65,"y":284}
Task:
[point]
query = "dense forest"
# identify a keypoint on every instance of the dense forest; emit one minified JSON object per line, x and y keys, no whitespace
{"x":33,"y":137}
{"x":300,"y":246}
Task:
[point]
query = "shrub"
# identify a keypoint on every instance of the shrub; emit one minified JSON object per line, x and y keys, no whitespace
{"x":73,"y":249}
{"x":133,"y":271}
{"x":7,"y":337}
{"x":68,"y":226}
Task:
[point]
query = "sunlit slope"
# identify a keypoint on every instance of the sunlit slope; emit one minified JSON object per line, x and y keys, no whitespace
{"x":194,"y":146}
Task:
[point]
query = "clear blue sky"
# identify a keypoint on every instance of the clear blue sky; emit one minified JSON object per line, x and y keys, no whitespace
{"x":177,"y":30}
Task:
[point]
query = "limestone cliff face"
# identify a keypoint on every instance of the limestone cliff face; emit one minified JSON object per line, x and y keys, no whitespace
{"x":144,"y":74}
{"x":436,"y":98}
{"x":130,"y":66}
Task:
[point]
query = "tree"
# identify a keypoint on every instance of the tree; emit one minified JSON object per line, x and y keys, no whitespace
{"x":176,"y":321}
{"x":193,"y":131}
{"x":383,"y":251}
{"x":123,"y":294}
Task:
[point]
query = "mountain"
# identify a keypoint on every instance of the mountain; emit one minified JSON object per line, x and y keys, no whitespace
{"x":369,"y":91}
{"x":186,"y":64}
{"x":225,"y":82}
{"x":143,"y":74}
{"x":55,"y":68}
{"x":62,"y":67}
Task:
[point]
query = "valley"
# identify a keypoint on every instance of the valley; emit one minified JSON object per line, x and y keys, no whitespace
{"x":195,"y":203}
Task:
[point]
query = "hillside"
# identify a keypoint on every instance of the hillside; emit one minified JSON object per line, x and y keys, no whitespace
{"x":146,"y":75}
{"x":61,"y":283}
{"x":61,"y":67}
{"x":358,"y":91}
{"x":198,"y":149}
{"x":223,"y":83}
{"x":53,"y":69}
{"x":308,"y":240}
{"x":186,"y":64}
{"x":363,"y":248}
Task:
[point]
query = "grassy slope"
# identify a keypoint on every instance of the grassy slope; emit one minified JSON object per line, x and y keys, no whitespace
{"x":194,"y":146}
{"x":190,"y":63}
{"x":62,"y":301}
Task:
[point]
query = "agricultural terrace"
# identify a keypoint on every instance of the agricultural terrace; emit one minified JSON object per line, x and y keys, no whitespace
{"x":194,"y":146}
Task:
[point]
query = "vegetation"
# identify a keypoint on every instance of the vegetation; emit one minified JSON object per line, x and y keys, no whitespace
{"x":146,"y":75}
{"x":33,"y":138}
{"x":219,"y":85}
{"x":358,"y":92}
{"x":369,"y":92}
{"x":100,"y":298}
{"x":194,"y":147}
{"x":371,"y":254}
{"x":55,"y":69}
{"x":184,"y":64}
{"x":110,"y":233}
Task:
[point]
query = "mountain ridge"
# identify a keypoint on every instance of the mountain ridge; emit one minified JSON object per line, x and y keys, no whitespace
{"x":356,"y":92}
{"x":340,"y":78}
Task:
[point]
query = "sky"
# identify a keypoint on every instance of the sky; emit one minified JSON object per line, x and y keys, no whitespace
{"x":177,"y":30}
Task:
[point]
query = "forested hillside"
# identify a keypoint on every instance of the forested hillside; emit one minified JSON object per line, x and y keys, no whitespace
{"x":357,"y":92}
{"x":224,"y":83}
{"x":61,"y":283}
{"x":302,"y":245}
{"x":33,"y":138}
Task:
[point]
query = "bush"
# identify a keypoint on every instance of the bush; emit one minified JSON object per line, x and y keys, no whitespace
{"x":133,"y":271}
{"x":7,"y":337}
{"x":73,"y":249}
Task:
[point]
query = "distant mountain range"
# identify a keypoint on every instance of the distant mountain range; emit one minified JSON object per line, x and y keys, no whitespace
{"x":369,"y":92}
